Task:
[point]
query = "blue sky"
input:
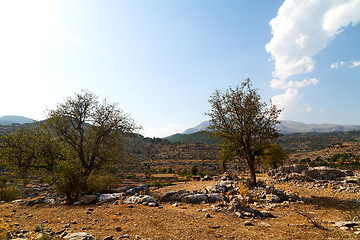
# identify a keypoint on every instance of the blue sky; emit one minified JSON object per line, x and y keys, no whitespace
{"x":161,"y":60}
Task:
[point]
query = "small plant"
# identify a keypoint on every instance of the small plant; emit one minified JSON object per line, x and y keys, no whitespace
{"x":5,"y":230}
{"x":243,"y":190}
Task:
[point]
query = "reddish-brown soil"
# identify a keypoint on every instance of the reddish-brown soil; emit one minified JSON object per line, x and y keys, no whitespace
{"x":188,"y":221}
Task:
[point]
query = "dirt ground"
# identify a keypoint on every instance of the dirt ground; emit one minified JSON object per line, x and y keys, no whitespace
{"x":188,"y":221}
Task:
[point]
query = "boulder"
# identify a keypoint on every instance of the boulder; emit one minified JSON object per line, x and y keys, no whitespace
{"x":142,"y":190}
{"x":88,"y":199}
{"x":214,"y":197}
{"x":312,"y":173}
{"x":110,"y":197}
{"x":196,"y":199}
{"x":328,"y":173}
{"x":352,"y":179}
{"x":79,"y":236}
{"x":139,"y":199}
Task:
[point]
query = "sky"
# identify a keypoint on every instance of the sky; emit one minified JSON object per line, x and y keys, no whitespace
{"x":161,"y":60}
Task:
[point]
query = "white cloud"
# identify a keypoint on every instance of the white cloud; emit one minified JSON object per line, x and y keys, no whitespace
{"x":165,"y":131}
{"x":341,"y":16}
{"x":303,"y":28}
{"x":355,"y":64}
{"x":349,"y":64}
{"x":275,"y":83}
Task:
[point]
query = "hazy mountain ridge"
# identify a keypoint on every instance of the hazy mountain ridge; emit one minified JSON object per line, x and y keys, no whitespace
{"x":12,"y":119}
{"x":288,"y":126}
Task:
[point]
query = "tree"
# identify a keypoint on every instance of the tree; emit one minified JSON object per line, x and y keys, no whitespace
{"x":82,"y":137}
{"x":30,"y":149}
{"x":227,"y":154}
{"x":273,"y":156}
{"x":243,"y":122}
{"x":92,"y":131}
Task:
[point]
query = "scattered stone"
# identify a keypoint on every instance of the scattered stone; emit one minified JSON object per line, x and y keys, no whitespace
{"x":124,"y":236}
{"x":208,"y":215}
{"x":109,"y":237}
{"x":37,"y":228}
{"x":214,"y":226}
{"x":248,"y":223}
{"x":118,"y":228}
{"x":356,"y":219}
{"x":80,"y":236}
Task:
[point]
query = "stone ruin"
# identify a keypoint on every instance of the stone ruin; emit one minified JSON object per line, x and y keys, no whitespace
{"x":304,"y":173}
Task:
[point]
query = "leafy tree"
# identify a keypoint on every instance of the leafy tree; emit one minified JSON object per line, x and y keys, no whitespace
{"x":227,"y":154}
{"x":81,"y":137}
{"x":30,"y":149}
{"x":93,"y":131}
{"x":239,"y":118}
{"x":273,"y":156}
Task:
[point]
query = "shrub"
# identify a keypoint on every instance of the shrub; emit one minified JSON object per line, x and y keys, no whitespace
{"x":194,"y":170}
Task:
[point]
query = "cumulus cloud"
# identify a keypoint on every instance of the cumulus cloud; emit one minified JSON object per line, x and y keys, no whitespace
{"x":301,"y":30}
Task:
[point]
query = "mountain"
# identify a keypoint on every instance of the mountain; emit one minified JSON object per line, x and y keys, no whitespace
{"x":202,"y":126}
{"x":287,"y":127}
{"x":10,"y":119}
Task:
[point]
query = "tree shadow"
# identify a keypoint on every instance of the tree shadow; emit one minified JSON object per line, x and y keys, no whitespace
{"x":334,"y":203}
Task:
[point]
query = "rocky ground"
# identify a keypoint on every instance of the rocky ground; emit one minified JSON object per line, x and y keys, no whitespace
{"x":221,"y":208}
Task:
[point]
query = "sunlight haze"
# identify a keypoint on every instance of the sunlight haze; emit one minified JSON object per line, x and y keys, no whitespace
{"x":161,"y":60}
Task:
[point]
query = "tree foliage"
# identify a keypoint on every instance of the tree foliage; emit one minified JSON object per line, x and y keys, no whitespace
{"x":80,"y":138}
{"x":243,"y":122}
{"x":273,"y":156}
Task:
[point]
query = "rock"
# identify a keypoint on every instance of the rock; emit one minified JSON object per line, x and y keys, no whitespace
{"x":355,"y":200}
{"x":110,"y":197}
{"x":272,"y":198}
{"x":196,"y":199}
{"x":118,"y":228}
{"x":88,"y":199}
{"x":207,"y":178}
{"x":248,"y":223}
{"x":356,"y":219}
{"x":312,"y":173}
{"x":298,"y":168}
{"x":37,"y":228}
{"x":214,"y":226}
{"x":208,"y":215}
{"x":345,"y":224}
{"x":174,"y":196}
{"x":352,"y":179}
{"x":139,"y":199}
{"x":124,"y":236}
{"x":266,"y":214}
{"x":79,"y":236}
{"x":142,"y":190}
{"x":214,"y":197}
{"x":152,"y":204}
{"x":328,"y":173}
{"x":109,"y":237}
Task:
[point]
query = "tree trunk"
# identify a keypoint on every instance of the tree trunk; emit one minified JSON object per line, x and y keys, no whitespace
{"x":251,"y":164}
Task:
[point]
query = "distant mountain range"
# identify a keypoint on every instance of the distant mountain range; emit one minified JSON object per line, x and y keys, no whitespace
{"x":287,"y":127}
{"x":10,"y":119}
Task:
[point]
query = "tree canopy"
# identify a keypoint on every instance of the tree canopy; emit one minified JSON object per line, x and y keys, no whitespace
{"x":243,"y":122}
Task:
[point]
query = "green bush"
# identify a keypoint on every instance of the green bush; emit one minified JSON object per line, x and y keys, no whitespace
{"x":8,"y":194}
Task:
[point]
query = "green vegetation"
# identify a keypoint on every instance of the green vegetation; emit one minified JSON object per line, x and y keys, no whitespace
{"x":80,"y":141}
{"x":339,"y":160}
{"x":273,"y":156}
{"x":245,"y":125}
